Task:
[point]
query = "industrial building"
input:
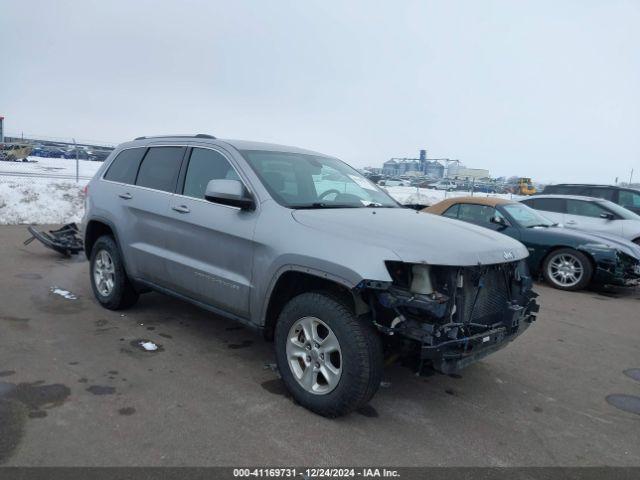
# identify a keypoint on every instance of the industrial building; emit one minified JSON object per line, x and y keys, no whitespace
{"x":413,"y":166}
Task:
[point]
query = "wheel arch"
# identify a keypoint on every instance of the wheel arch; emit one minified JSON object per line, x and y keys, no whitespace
{"x":293,"y":281}
{"x":94,"y":229}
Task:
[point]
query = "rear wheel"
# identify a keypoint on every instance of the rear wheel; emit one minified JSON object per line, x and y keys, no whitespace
{"x":109,"y":281}
{"x":330,"y":360}
{"x":567,"y":269}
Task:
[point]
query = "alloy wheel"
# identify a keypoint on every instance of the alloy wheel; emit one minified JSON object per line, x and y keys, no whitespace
{"x":565,"y":270}
{"x":104,"y":274}
{"x":314,"y":355}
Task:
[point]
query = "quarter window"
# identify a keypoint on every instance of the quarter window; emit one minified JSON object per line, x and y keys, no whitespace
{"x":125,"y":166}
{"x":206,"y":165}
{"x":584,"y":209}
{"x":160,"y":167}
{"x":452,"y":212}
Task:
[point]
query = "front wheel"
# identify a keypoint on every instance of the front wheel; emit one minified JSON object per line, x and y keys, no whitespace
{"x":567,"y":269}
{"x":330,"y":360}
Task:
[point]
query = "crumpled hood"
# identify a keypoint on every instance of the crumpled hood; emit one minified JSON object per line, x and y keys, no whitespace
{"x":600,"y":238}
{"x":414,"y":237}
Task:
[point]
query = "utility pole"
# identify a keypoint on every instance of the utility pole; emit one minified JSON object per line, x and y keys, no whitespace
{"x":77,"y":159}
{"x":631,"y":176}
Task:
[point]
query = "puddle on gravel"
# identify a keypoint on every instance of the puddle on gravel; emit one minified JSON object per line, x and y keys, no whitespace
{"x":28,"y":276}
{"x":101,"y":390}
{"x":368,"y":411}
{"x":127,"y":411}
{"x":243,"y":344}
{"x":21,"y":401}
{"x":15,"y":319}
{"x":628,"y":403}
{"x":275,"y":386}
{"x":633,"y":373}
{"x":7,"y":373}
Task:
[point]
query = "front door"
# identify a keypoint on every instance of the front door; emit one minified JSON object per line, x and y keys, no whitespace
{"x":586,"y":216}
{"x":210,"y":245}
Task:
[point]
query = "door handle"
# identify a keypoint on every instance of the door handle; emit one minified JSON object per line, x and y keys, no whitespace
{"x":126,"y":196}
{"x":181,"y":209}
{"x":570,"y":222}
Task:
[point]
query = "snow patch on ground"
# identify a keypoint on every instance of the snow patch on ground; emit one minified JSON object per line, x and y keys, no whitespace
{"x":149,"y":346}
{"x":35,"y":193}
{"x":40,"y":202}
{"x":427,"y":196}
{"x":63,"y":293}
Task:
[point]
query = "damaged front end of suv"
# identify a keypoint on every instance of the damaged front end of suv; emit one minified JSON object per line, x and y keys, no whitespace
{"x":451,"y":316}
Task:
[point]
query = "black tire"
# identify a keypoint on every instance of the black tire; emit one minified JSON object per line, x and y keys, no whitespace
{"x":361,"y":354}
{"x":579,"y":257}
{"x":123,"y":294}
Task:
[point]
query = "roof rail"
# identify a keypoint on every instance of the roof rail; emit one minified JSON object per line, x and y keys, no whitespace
{"x":198,"y":135}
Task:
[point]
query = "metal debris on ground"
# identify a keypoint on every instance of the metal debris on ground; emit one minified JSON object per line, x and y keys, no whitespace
{"x":65,"y":240}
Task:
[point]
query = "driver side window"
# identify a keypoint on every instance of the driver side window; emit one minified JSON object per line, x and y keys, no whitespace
{"x":476,"y":213}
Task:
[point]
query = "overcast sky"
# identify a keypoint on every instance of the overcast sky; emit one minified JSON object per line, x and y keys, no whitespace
{"x":547,"y":89}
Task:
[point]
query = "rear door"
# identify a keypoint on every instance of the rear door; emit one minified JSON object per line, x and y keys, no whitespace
{"x":552,"y":208}
{"x":584,"y":215}
{"x":148,"y":211}
{"x":210,"y":245}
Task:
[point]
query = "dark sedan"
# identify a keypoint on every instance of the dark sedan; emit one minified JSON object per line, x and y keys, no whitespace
{"x":567,"y":259}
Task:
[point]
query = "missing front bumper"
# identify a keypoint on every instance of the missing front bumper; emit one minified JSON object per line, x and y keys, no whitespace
{"x":452,"y":356}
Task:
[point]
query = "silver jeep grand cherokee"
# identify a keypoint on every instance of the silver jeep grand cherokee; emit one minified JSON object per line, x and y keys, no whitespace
{"x":302,"y":246}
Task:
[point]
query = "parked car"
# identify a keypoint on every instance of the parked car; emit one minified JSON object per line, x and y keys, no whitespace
{"x":588,"y":214}
{"x":628,"y":198}
{"x":567,"y":259}
{"x":335,"y":272}
{"x":394,"y":182}
{"x":447,"y":185}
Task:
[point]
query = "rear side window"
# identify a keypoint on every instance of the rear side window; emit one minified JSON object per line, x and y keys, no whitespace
{"x":548,"y":204}
{"x":606,"y":193}
{"x":562,"y":189}
{"x":125,"y":166}
{"x":206,"y":165}
{"x":629,"y":199}
{"x":585,"y":209}
{"x":160,"y":167}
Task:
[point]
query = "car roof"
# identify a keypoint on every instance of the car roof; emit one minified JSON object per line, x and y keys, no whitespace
{"x":594,"y":185}
{"x":570,"y":197}
{"x":442,"y":206}
{"x":237,"y":144}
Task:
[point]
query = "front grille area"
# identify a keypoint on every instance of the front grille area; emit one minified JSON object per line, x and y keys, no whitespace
{"x":485,"y":293}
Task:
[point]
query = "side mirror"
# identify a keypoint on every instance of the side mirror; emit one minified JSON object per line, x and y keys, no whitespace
{"x":500,"y":221}
{"x":229,"y":192}
{"x":607,"y":215}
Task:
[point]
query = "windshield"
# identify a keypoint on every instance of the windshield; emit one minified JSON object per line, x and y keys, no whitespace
{"x":620,"y":211}
{"x":297,"y":180}
{"x":527,"y":217}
